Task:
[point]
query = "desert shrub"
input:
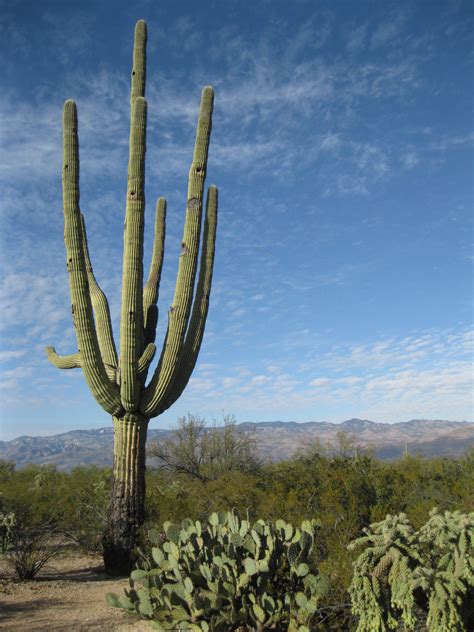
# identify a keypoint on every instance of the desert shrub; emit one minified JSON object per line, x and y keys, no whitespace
{"x":84,"y":501}
{"x":32,"y":496}
{"x":172,"y":497}
{"x":71,"y":505}
{"x":415,"y":484}
{"x":227,"y":574}
{"x":407,"y":577}
{"x":31,"y":547}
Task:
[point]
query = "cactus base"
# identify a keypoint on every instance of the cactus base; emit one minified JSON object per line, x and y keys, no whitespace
{"x":127,"y":503}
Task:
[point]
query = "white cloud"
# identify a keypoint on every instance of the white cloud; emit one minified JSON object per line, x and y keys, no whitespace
{"x":397,"y":379}
{"x":356,"y":40}
{"x":18,"y":372}
{"x":230,"y":382}
{"x":11,"y":355}
{"x":320,"y":382}
{"x":410,"y":159}
{"x":350,"y":380}
{"x":9,"y":384}
{"x":259,"y":379}
{"x":388,"y":31}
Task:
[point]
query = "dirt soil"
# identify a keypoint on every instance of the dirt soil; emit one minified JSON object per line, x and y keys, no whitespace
{"x":68,"y":595}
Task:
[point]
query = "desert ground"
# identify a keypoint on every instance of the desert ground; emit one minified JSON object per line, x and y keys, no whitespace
{"x":68,"y":595}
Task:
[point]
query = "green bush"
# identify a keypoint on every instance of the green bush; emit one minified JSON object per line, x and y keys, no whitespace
{"x":228,"y":574}
{"x":415,"y":577}
{"x":70,"y":505}
{"x":84,"y":502}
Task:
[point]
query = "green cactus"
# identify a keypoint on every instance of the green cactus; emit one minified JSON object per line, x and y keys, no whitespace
{"x":118,"y":381}
{"x":410,"y":578}
{"x":207,"y":578}
{"x":7,"y":529}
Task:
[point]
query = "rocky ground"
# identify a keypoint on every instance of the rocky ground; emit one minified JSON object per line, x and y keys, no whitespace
{"x":68,"y":595}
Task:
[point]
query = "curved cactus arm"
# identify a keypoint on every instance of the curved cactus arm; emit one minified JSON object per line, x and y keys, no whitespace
{"x":178,"y":314}
{"x":152,"y":285}
{"x":72,"y":361}
{"x":103,"y":391}
{"x":101,"y":309}
{"x":197,"y":323}
{"x":146,"y":358}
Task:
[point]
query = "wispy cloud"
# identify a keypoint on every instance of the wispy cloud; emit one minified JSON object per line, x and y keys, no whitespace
{"x":388,"y":380}
{"x":356,"y":40}
{"x":314,"y":127}
{"x":11,"y":355}
{"x":388,"y":31}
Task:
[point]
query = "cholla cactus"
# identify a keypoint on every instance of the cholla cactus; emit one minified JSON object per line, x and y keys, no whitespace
{"x":411,"y":577}
{"x":448,"y":540}
{"x":227,"y":575}
{"x":7,"y":528}
{"x":117,"y":380}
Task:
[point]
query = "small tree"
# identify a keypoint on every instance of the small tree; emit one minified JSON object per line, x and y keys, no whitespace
{"x":206,"y":453}
{"x":30,"y":548}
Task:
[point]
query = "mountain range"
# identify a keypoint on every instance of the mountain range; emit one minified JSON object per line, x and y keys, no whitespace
{"x":276,"y":440}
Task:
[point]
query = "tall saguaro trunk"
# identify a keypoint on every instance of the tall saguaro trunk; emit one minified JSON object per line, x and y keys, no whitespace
{"x":117,"y":380}
{"x":127,"y":501}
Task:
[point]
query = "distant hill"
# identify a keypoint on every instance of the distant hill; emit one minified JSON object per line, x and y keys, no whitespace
{"x":276,"y":440}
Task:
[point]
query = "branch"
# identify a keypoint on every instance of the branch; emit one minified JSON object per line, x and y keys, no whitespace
{"x":101,"y":309}
{"x":131,"y":315}
{"x":72,"y":361}
{"x":151,"y":289}
{"x":103,"y":391}
{"x":195,"y":333}
{"x":179,"y":312}
{"x":146,"y":358}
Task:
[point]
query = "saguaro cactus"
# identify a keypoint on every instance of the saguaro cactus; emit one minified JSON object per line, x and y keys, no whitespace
{"x":118,"y":381}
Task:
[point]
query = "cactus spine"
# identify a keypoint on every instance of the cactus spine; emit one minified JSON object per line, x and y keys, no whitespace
{"x":117,"y":381}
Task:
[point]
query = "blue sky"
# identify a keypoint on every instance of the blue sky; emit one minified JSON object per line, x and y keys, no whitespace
{"x":342,"y":148}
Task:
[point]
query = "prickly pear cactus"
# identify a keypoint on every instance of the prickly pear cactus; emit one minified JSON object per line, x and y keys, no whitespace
{"x":227,"y":574}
